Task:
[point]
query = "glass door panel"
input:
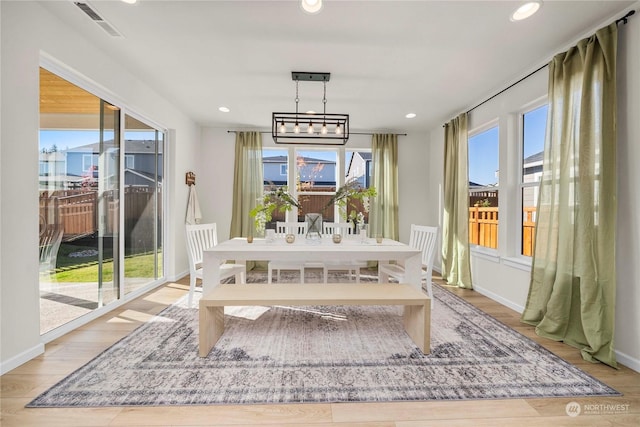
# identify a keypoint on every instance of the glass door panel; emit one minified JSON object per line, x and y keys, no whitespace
{"x":78,"y":195}
{"x":108,"y":203}
{"x":143,"y":168}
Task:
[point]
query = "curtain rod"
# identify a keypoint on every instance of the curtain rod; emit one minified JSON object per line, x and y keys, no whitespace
{"x":624,"y":20}
{"x":350,"y":133}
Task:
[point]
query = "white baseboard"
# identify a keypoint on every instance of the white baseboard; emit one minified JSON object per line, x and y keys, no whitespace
{"x":628,"y":361}
{"x":21,"y":358}
{"x":178,"y":276}
{"x":498,"y":298}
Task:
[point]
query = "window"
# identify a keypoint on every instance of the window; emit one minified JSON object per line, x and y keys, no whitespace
{"x":316,"y":178}
{"x":483,"y":188}
{"x":129,"y":161}
{"x":89,"y":162}
{"x":533,"y":130}
{"x":358,"y":167}
{"x":274,"y":162}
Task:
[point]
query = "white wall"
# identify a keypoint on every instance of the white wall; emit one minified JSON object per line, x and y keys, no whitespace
{"x":27,"y":30}
{"x":216,"y":176}
{"x":628,"y":237}
{"x":500,"y":275}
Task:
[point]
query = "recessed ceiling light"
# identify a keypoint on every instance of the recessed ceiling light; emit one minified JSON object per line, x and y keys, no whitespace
{"x":224,"y":109}
{"x":130,"y":1}
{"x":410,"y":115}
{"x":311,"y":6}
{"x":526,"y":10}
{"x":310,"y":112}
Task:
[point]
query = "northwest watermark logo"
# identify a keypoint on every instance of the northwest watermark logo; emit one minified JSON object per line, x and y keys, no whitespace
{"x":573,"y":409}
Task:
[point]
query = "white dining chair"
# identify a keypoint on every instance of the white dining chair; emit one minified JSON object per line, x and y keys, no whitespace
{"x":345,"y":229}
{"x":199,"y":238}
{"x":299,"y":229}
{"x":423,"y":238}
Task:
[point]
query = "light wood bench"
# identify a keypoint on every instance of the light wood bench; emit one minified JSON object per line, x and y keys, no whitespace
{"x":416,"y":319}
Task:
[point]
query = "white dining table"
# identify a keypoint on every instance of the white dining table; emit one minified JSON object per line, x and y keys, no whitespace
{"x":303,"y":250}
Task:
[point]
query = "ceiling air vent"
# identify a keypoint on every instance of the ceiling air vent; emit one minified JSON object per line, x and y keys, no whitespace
{"x":98,"y":19}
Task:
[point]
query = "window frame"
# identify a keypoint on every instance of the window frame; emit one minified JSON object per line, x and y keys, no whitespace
{"x":521,"y":185}
{"x":129,"y":161}
{"x":491,"y":253}
{"x":93,"y":162}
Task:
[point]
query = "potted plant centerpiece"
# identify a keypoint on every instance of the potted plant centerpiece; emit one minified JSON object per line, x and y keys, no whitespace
{"x":276,"y":198}
{"x":344,"y":198}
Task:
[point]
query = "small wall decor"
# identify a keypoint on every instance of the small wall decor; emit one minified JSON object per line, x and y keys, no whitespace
{"x":190,"y":179}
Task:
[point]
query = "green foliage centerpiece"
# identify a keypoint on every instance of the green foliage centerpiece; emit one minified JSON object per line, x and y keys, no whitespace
{"x":276,"y":198}
{"x":344,"y":198}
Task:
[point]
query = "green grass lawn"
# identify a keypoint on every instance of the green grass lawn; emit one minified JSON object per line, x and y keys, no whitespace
{"x":140,"y":265}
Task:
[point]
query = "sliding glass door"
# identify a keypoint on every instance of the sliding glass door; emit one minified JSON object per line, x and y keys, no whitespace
{"x":92,"y":186}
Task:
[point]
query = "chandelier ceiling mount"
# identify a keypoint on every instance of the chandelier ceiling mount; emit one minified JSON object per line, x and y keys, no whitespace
{"x":321,"y":129}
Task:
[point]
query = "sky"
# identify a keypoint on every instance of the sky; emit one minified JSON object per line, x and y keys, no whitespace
{"x":483,"y":147}
{"x":64,"y":139}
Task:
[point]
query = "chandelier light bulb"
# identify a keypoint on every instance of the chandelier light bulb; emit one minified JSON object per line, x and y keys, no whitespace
{"x":338,"y":129}
{"x":310,"y":128}
{"x":324,"y":128}
{"x":296,"y":128}
{"x":283,"y":128}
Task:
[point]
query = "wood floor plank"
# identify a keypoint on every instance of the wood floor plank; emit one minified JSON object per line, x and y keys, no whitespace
{"x":588,"y":421}
{"x":405,"y":411}
{"x":14,"y":414}
{"x":224,"y":415}
{"x":65,"y":354}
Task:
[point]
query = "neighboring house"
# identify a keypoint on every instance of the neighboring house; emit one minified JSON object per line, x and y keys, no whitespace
{"x":314,"y":172}
{"x":74,"y":167}
{"x":532,"y":173}
{"x":360,"y":168}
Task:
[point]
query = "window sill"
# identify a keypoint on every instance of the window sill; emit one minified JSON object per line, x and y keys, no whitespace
{"x":521,"y":263}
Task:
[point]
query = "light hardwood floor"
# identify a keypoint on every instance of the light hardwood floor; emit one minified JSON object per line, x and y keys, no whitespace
{"x":67,"y":353}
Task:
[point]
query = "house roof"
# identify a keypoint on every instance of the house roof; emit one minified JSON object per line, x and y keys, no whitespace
{"x":132,"y":147}
{"x":284,"y":159}
{"x":537,"y":157}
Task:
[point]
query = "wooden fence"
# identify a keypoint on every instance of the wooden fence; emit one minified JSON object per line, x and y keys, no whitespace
{"x":72,"y":210}
{"x":483,"y":227}
{"x":528,"y":236}
{"x":76,"y":211}
{"x":316,"y":204}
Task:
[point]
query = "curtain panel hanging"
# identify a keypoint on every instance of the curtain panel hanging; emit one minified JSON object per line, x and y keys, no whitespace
{"x":456,"y":265}
{"x":383,"y":218}
{"x":248,"y":182}
{"x":573,"y":279}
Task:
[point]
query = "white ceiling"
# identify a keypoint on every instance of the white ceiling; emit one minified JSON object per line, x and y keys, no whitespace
{"x":386,"y":58}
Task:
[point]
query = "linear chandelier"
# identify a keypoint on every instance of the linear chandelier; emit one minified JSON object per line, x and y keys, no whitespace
{"x":310,"y":128}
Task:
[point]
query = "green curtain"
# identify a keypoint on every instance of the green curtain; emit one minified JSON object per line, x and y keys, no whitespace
{"x":383,"y":214}
{"x":573,"y":279}
{"x":456,"y":265}
{"x":248,"y":182}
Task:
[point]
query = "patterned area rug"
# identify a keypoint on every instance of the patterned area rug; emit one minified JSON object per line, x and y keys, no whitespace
{"x":320,"y":354}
